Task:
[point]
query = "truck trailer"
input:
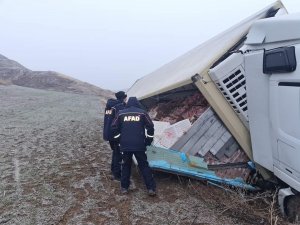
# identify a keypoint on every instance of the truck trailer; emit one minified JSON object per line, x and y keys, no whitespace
{"x":228,"y":111}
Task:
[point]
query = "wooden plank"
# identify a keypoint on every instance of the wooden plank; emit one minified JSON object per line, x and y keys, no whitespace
{"x":229,"y":148}
{"x":226,"y":136}
{"x":216,"y":140}
{"x":195,"y":138}
{"x":223,"y":136}
{"x":193,"y":130}
{"x":232,"y":148}
{"x":217,"y":146}
{"x":204,"y":144}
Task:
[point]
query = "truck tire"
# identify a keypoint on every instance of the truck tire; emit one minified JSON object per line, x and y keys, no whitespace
{"x":293,"y":208}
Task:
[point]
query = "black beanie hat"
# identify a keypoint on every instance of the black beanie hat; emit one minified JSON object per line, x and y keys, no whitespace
{"x":120,"y":95}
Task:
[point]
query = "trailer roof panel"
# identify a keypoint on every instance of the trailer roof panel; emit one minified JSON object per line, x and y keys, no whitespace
{"x":178,"y":72}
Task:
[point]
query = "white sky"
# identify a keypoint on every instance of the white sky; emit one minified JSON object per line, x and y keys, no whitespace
{"x":114,"y":42}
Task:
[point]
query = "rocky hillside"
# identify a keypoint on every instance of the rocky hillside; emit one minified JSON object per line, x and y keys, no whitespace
{"x":11,"y":72}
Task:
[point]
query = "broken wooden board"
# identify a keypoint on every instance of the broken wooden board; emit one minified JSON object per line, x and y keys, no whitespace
{"x":208,"y":133}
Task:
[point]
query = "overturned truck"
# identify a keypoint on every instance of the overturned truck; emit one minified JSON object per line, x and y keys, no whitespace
{"x":228,"y":110}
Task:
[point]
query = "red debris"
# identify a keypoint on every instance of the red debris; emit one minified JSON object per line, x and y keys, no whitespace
{"x":238,"y":156}
{"x":179,"y":109}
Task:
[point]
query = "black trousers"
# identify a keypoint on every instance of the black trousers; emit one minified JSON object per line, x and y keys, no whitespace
{"x":116,"y":159}
{"x":143,"y":165}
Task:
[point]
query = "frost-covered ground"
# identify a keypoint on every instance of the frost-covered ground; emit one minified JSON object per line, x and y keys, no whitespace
{"x":54,"y":169}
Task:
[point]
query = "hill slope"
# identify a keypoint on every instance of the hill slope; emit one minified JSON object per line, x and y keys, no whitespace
{"x":14,"y":73}
{"x":55,"y":169}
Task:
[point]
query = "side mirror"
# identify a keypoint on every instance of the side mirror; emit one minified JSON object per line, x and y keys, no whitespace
{"x":279,"y":60}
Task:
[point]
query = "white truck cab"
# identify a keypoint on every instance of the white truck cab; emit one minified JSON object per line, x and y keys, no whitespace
{"x":262,"y":84}
{"x":273,"y":94}
{"x":250,"y":77}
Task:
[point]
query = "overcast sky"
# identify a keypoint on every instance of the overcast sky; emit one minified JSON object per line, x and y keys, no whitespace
{"x":114,"y":42}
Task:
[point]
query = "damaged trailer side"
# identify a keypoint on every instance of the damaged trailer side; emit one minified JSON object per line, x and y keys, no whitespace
{"x":191,"y":140}
{"x":193,"y":119}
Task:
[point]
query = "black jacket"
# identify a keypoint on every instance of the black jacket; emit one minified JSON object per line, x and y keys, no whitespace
{"x":112,"y":108}
{"x":129,"y":126}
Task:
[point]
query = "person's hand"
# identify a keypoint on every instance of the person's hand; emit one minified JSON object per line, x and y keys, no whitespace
{"x":148,"y":141}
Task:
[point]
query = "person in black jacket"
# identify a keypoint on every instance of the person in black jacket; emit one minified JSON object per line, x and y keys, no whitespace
{"x":129,"y":128}
{"x":112,"y":108}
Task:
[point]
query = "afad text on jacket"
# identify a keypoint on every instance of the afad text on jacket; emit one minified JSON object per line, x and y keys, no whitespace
{"x":129,"y":126}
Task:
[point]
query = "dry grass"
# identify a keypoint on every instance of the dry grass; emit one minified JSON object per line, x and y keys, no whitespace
{"x":257,"y":208}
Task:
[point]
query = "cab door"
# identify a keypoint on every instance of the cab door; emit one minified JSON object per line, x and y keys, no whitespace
{"x":281,"y":65}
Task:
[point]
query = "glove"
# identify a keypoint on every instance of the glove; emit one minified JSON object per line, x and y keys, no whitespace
{"x":148,"y":141}
{"x":115,"y":145}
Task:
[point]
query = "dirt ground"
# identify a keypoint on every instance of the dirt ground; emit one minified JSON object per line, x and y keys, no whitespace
{"x":55,"y":169}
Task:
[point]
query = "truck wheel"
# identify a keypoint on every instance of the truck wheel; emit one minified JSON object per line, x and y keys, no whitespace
{"x":293,"y":208}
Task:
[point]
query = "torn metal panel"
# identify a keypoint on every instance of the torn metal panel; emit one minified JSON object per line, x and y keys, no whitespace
{"x":179,"y":163}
